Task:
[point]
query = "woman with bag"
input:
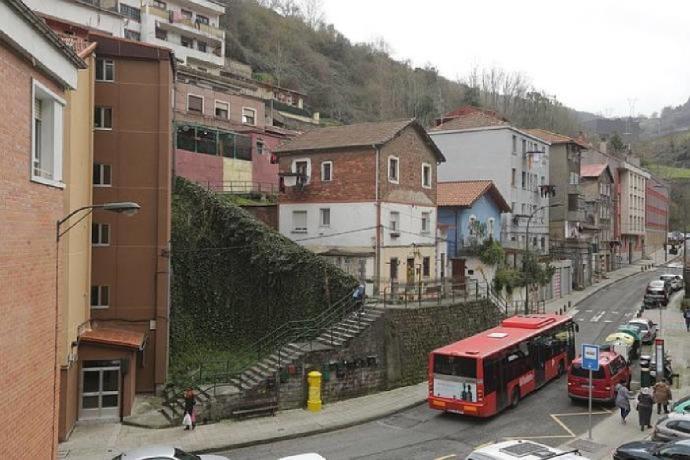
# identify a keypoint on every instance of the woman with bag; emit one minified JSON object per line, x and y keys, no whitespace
{"x":189,"y":419}
{"x":623,"y":401}
{"x":645,"y":405}
{"x":662,"y":396}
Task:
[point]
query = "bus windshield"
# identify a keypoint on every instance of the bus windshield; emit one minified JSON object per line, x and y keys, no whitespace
{"x":455,"y":365}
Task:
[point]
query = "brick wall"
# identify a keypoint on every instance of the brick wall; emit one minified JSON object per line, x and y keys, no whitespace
{"x":27,"y":275}
{"x":353,"y":177}
{"x":263,"y":171}
{"x":199,"y":167}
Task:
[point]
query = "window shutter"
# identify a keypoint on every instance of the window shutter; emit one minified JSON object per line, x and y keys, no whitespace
{"x":194,"y":103}
{"x":38,"y":109}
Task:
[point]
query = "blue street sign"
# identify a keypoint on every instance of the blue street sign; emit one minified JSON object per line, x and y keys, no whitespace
{"x":590,"y":357}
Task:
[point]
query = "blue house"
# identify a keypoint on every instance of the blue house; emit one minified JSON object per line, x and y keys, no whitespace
{"x":470,"y":213}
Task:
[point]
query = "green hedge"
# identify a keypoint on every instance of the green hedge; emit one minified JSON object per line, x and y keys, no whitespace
{"x":234,"y":279}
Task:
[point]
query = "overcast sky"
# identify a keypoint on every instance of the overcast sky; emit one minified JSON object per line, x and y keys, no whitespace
{"x":595,"y":55}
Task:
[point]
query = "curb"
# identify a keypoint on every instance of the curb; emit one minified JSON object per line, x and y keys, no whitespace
{"x":287,"y":437}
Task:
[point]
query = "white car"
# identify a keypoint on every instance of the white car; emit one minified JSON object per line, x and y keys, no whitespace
{"x":648,"y":328}
{"x":164,"y":453}
{"x":522,"y":450}
{"x":676,"y":281}
{"x":672,"y":427}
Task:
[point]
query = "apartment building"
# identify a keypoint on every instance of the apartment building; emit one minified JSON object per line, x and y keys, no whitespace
{"x":481,"y":144}
{"x":656,"y":214}
{"x":190,"y":28}
{"x":364,"y":197}
{"x":597,"y":185}
{"x":37,"y":273}
{"x":632,"y":186}
{"x":128,"y":344}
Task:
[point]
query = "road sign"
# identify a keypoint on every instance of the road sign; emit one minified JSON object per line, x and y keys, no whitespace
{"x":659,"y":356}
{"x":590,"y":357}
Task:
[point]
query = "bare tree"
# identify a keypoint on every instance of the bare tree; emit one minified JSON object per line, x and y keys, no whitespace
{"x":312,"y":12}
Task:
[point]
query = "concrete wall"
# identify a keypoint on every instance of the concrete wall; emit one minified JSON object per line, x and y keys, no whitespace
{"x":198,"y":167}
{"x":79,"y":13}
{"x":235,"y":170}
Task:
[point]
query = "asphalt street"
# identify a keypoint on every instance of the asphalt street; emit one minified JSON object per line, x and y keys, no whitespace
{"x":546,"y":416}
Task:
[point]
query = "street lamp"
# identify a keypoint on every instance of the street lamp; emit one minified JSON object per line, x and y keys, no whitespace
{"x":128,"y":208}
{"x":524,"y":258}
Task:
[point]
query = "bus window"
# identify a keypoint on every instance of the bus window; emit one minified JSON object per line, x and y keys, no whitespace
{"x":491,"y":366}
{"x":455,"y":365}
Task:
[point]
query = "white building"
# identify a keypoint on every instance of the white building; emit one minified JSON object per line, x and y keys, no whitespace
{"x":481,"y":145}
{"x":191,"y":28}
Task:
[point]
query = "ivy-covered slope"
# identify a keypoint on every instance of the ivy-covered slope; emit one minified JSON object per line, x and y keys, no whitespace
{"x":235,"y":279}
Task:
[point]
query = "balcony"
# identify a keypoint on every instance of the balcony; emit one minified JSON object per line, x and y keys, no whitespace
{"x":160,"y":12}
{"x":184,"y":26}
{"x":212,"y":30}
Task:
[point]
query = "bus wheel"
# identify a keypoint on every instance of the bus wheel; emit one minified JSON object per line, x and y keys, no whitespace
{"x":515,"y":400}
{"x":561,"y":369}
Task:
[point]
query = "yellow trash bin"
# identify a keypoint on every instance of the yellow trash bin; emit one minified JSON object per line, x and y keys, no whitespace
{"x":314,"y":383}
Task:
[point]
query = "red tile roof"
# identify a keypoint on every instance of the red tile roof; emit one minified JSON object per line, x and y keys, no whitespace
{"x":356,"y":135}
{"x":472,"y":119}
{"x":115,"y":337}
{"x":592,"y":170}
{"x":554,"y":138}
{"x":465,"y":193}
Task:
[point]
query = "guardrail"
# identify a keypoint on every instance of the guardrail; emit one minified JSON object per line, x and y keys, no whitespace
{"x":243,"y":187}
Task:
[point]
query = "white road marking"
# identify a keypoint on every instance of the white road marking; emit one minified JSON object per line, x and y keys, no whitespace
{"x":574,"y":312}
{"x":580,"y":319}
{"x":588,"y":311}
{"x":614,"y":312}
{"x":608,"y":320}
{"x":597,"y":317}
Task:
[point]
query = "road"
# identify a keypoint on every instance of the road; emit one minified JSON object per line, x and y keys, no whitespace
{"x":546,"y":416}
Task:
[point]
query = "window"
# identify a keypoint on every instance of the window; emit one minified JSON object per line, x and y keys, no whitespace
{"x":201,"y":46}
{"x":393,"y":169}
{"x":325,"y":217}
{"x":512,"y":207}
{"x":513,"y":173}
{"x":426,"y":175}
{"x":161,"y":34}
{"x":394,"y":221}
{"x":326,"y":171}
{"x":524,"y":146}
{"x":426,"y":219}
{"x":299,"y":221}
{"x":524,"y":209}
{"x":105,"y":70}
{"x":132,"y":35}
{"x":248,"y":116}
{"x":574,"y":178}
{"x":100,"y":296}
{"x":394,"y":269}
{"x":202,"y":19}
{"x":303,"y":168}
{"x":222,"y":110}
{"x":160,"y":4}
{"x":101,"y":175}
{"x":195,"y":103}
{"x":103,"y":118}
{"x":186,"y":14}
{"x":260,"y":147}
{"x":130,"y":12}
{"x":186,"y":42}
{"x":514,"y":145}
{"x":100,"y":234}
{"x":426,"y":266}
{"x":46,"y":149}
{"x":524,"y":180}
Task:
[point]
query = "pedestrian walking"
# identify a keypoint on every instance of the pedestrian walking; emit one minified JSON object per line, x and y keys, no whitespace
{"x":623,"y":401}
{"x":189,"y":419}
{"x":662,"y":395}
{"x":686,"y":315}
{"x":645,"y":405}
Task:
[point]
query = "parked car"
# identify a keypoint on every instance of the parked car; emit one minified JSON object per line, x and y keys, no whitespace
{"x":647,"y":327}
{"x":310,"y":456}
{"x":522,"y":450}
{"x":651,"y":450}
{"x":164,"y":452}
{"x":682,"y":406}
{"x":671,"y":427}
{"x":657,"y":293}
{"x":613,"y":369}
{"x":674,"y":281}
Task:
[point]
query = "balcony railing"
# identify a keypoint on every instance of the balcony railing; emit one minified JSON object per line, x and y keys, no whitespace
{"x":160,"y":12}
{"x":211,"y":30}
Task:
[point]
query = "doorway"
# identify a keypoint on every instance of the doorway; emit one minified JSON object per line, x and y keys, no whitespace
{"x":99,"y":391}
{"x":458,"y":266}
{"x":410,"y":271}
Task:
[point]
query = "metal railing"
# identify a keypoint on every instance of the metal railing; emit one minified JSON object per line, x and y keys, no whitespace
{"x":243,"y":187}
{"x":440,"y":292}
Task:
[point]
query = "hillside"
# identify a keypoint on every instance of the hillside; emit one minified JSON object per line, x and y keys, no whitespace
{"x":349,"y":82}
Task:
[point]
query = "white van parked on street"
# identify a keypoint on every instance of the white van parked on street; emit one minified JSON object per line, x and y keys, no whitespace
{"x":522,"y":450}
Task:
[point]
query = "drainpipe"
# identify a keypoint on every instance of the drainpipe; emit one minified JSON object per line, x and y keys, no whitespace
{"x":377,"y":256}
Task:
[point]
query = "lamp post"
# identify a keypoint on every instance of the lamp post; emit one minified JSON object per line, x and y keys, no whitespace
{"x":524,"y":258}
{"x":128,"y":208}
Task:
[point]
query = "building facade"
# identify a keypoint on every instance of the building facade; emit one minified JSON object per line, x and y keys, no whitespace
{"x":632,"y":185}
{"x":470,"y":211}
{"x":598,"y":189}
{"x":656,"y":214}
{"x":39,"y":72}
{"x":364,"y":196}
{"x":480,"y":144}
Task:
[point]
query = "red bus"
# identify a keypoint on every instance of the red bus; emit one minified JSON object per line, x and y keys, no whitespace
{"x":483,"y":374}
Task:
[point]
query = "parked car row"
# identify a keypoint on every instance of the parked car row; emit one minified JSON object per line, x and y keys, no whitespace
{"x":659,"y":291}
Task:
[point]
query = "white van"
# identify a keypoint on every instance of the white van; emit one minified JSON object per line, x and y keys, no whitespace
{"x":522,"y":450}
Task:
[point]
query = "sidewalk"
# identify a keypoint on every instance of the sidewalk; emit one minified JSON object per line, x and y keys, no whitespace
{"x":575,"y":297}
{"x":104,"y":441}
{"x":610,"y":433}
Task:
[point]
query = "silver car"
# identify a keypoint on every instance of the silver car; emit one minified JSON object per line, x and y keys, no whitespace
{"x":164,"y":453}
{"x":672,"y":427}
{"x":675,"y":281}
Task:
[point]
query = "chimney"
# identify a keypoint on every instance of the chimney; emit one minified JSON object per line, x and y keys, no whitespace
{"x":602,"y":147}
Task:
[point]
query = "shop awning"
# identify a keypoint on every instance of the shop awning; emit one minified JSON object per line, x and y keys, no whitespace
{"x":115,"y":337}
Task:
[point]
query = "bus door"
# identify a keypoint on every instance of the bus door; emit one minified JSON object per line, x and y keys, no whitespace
{"x":502,"y":391}
{"x":538,"y":358}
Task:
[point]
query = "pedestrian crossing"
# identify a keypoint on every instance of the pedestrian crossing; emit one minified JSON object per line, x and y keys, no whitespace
{"x":601,"y":316}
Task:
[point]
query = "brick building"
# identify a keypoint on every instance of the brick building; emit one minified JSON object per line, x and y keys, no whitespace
{"x":656,"y":214}
{"x":38,"y":71}
{"x":364,"y":196}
